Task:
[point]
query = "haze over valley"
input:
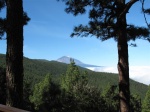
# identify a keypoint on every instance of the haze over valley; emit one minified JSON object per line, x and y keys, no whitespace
{"x":137,"y":73}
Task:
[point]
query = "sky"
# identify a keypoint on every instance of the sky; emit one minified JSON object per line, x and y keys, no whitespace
{"x":47,"y":36}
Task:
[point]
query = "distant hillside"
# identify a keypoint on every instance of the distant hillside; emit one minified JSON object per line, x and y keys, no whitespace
{"x":35,"y":70}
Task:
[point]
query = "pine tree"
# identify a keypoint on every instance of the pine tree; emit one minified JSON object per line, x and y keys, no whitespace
{"x":3,"y":20}
{"x":146,"y":102}
{"x":40,"y":90}
{"x":45,"y":95}
{"x":14,"y":54}
{"x":78,"y":96}
{"x":71,"y":78}
{"x":108,"y":20}
{"x":12,"y":25}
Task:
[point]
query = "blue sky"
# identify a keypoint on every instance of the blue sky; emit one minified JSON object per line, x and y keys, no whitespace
{"x":47,"y":36}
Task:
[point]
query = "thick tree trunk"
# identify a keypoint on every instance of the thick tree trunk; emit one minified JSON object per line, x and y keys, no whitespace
{"x":123,"y":69}
{"x":123,"y":65}
{"x":14,"y":54}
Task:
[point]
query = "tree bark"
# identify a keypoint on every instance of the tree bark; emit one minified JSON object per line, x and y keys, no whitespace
{"x":123,"y":65}
{"x":14,"y":54}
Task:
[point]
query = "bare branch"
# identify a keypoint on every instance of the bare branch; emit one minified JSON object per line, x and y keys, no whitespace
{"x":142,"y":1}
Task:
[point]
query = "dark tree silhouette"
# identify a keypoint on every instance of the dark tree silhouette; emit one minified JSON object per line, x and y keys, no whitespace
{"x":14,"y":54}
{"x":108,"y":20}
{"x":2,"y":29}
{"x":13,"y":26}
{"x":2,"y":86}
{"x":147,"y":11}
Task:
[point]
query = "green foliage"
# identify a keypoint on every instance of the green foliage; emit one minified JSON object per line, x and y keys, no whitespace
{"x":111,"y":97}
{"x":35,"y":71}
{"x":91,"y":90}
{"x":45,"y":95}
{"x":27,"y":105}
{"x":146,"y":102}
{"x":135,"y":103}
{"x":81,"y":98}
{"x":78,"y":94}
{"x":72,"y":77}
{"x":75,"y":95}
{"x":87,"y":99}
{"x":138,"y":88}
{"x":40,"y":90}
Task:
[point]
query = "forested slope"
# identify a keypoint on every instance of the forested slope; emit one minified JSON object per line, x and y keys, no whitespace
{"x":35,"y":70}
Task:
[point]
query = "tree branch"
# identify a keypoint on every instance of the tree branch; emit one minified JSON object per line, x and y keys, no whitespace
{"x":142,"y":1}
{"x":127,"y":7}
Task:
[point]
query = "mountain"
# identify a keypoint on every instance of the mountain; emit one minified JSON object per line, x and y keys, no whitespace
{"x":36,"y":69}
{"x":66,"y":59}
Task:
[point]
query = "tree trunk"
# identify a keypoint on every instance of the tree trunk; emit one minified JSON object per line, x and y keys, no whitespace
{"x":14,"y":54}
{"x":123,"y":69}
{"x":123,"y":65}
{"x":2,"y":86}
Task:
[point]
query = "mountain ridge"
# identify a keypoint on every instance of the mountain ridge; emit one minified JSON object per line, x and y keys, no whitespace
{"x":66,"y":59}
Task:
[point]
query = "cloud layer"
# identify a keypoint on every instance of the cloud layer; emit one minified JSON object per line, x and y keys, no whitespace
{"x":137,"y":73}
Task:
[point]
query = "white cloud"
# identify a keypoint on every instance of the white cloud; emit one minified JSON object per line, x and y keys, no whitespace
{"x":140,"y":73}
{"x":104,"y":69}
{"x":137,"y":73}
